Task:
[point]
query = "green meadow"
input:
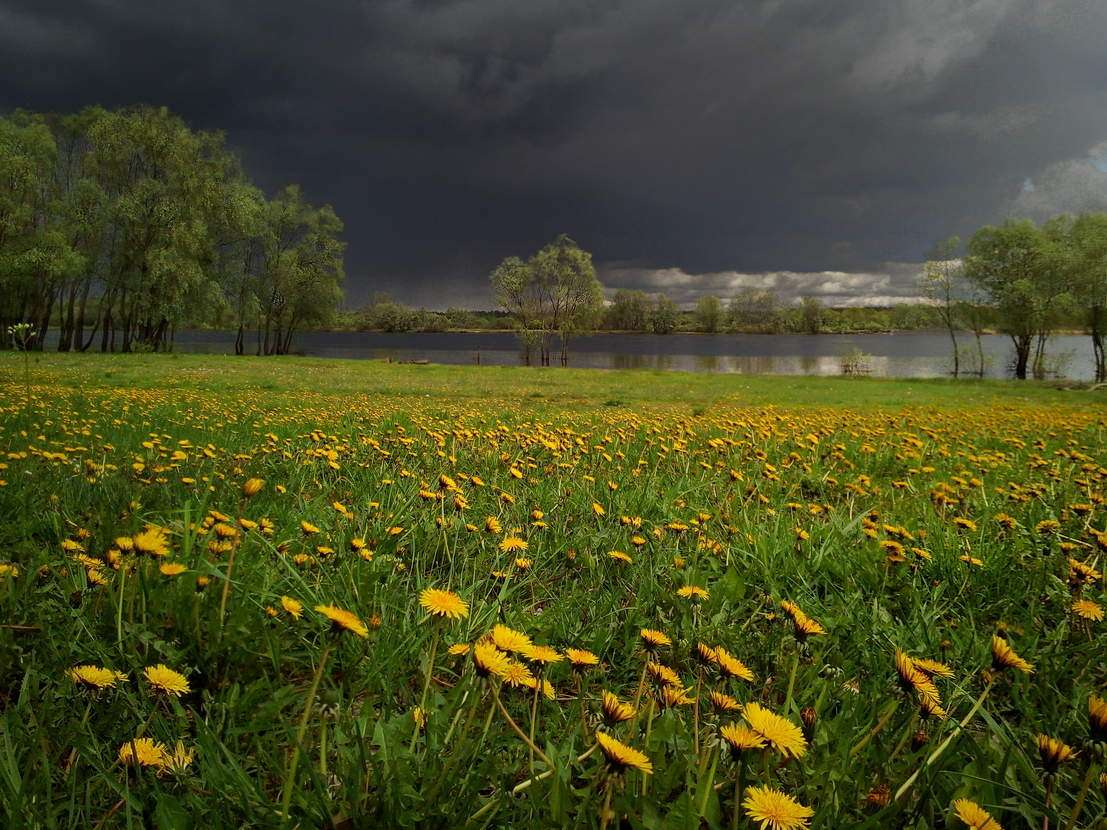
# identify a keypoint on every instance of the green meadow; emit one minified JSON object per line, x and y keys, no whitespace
{"x":309,"y":593}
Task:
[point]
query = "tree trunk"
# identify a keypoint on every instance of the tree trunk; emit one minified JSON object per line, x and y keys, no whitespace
{"x":1022,"y":354}
{"x":956,"y":355}
{"x":1039,"y":355}
{"x":79,"y":325}
{"x":1097,"y":316}
{"x":239,"y":347}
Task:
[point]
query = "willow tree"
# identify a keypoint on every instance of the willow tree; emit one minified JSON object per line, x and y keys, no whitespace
{"x":164,"y":183}
{"x":942,"y":283}
{"x":301,"y":269}
{"x":1088,"y":246}
{"x":1010,"y":262}
{"x":554,"y":294}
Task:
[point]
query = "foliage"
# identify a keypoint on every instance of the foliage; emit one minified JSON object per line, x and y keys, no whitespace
{"x":709,"y":313}
{"x":555,"y":293}
{"x":130,"y":221}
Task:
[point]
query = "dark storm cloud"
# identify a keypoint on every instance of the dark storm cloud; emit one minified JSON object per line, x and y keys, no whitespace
{"x":694,"y":139}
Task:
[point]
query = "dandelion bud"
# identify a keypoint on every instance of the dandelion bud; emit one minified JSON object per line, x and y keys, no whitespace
{"x":809,"y":716}
{"x":879,"y":797}
{"x":919,"y":739}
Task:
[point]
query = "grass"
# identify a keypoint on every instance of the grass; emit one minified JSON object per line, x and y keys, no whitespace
{"x":916,"y":516}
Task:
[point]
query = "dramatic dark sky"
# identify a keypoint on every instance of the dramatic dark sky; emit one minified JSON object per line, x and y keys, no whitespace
{"x":692,"y":145}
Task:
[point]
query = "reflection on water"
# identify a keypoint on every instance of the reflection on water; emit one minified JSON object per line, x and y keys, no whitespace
{"x":908,"y":354}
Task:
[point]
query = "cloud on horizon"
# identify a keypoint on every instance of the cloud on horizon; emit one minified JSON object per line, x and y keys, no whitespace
{"x":892,"y":283}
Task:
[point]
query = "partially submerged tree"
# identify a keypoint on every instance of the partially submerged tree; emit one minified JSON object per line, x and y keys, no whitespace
{"x":709,"y":313}
{"x":1088,"y":250}
{"x":1022,"y":269}
{"x":664,"y":316}
{"x":555,"y":293}
{"x":943,"y":283}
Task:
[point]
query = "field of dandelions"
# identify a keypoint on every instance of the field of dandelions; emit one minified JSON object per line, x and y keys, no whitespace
{"x":319,"y":595}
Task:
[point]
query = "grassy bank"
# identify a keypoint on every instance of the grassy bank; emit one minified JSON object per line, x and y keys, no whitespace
{"x":546,"y":388}
{"x":306,"y":593}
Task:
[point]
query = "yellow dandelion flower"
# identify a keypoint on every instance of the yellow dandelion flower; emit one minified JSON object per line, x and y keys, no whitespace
{"x":95,"y":677}
{"x":1053,"y":752}
{"x":342,"y":620}
{"x":542,"y":654}
{"x":621,"y":757}
{"x":510,"y":640}
{"x":774,"y":810}
{"x":166,"y":680}
{"x":783,"y":735}
{"x":489,"y":660}
{"x":146,"y":751}
{"x":510,"y":544}
{"x":1004,"y":657}
{"x":693,"y":592}
{"x":614,"y":710}
{"x":441,"y":603}
{"x":731,"y":666}
{"x":1097,"y":718}
{"x":581,"y":658}
{"x":294,"y":608}
{"x":152,"y":541}
{"x":252,"y":486}
{"x":724,"y":702}
{"x":179,"y":759}
{"x":741,"y":738}
{"x":653,"y":639}
{"x":974,"y":816}
{"x":1088,"y":609}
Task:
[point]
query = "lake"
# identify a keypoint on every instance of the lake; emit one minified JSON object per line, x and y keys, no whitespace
{"x":907,"y":354}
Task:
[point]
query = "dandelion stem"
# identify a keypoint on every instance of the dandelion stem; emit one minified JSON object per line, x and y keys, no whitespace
{"x":226,"y":591}
{"x":646,"y":744}
{"x":542,"y":776}
{"x":696,"y":714}
{"x":906,"y":785}
{"x":290,"y":775}
{"x":426,"y":688}
{"x":534,"y":720}
{"x":706,"y":787}
{"x":885,"y":716}
{"x":638,"y":695}
{"x":515,"y":727}
{"x":737,"y":794}
{"x":1088,"y":776}
{"x":791,"y":682}
{"x":605,"y":811}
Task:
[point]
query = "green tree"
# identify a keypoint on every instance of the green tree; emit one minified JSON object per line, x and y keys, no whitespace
{"x":1023,"y":271}
{"x":629,"y":311}
{"x":664,"y":316}
{"x":36,"y":256}
{"x":302,"y":269}
{"x":553,"y":294}
{"x":812,"y":314}
{"x":943,"y":283}
{"x":753,"y":309}
{"x":1088,"y":246}
{"x":709,"y":313}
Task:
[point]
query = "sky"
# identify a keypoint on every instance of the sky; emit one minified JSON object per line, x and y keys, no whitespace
{"x":697,"y":146}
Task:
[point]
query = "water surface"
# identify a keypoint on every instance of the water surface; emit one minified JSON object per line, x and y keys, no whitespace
{"x":904,"y":354}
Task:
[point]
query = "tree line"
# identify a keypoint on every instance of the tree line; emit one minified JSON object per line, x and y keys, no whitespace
{"x":120,"y":226}
{"x":1026,"y":280}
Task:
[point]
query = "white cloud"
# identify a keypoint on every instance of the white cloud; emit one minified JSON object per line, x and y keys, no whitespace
{"x":893,"y":282}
